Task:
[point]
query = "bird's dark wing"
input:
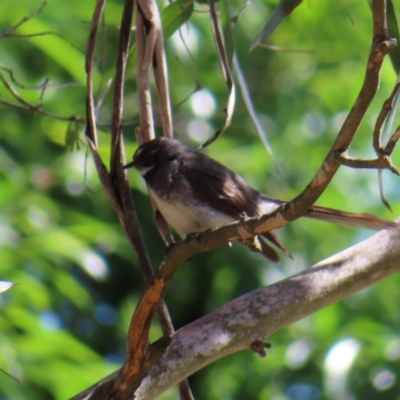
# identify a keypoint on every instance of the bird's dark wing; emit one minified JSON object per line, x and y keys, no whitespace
{"x":219,"y":187}
{"x":227,"y":192}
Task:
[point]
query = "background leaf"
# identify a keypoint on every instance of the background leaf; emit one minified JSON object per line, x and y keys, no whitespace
{"x":175,"y":15}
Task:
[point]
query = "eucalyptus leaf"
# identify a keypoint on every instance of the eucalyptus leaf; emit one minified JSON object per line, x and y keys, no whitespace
{"x":175,"y":15}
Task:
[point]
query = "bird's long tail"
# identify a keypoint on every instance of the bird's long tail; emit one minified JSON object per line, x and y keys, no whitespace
{"x":367,"y":221}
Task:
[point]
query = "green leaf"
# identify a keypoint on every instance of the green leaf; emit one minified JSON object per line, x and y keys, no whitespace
{"x":56,"y":48}
{"x":72,"y":136}
{"x":282,"y":10}
{"x":175,"y":15}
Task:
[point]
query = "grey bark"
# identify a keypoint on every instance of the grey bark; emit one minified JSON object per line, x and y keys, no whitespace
{"x":258,"y":314}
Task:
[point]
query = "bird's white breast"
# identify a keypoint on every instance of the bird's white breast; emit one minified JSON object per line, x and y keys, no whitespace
{"x":188,"y":218}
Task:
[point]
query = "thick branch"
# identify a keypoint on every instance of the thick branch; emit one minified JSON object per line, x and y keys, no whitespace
{"x":255,"y":315}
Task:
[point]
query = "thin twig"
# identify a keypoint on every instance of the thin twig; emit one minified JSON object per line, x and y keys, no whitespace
{"x":16,"y":95}
{"x":393,"y":141}
{"x":154,"y":54}
{"x":383,"y":160}
{"x":386,"y":108}
{"x":36,"y":87}
{"x":226,"y":69}
{"x":116,"y":130}
{"x":23,"y":20}
{"x":30,"y":35}
{"x":91,"y":131}
{"x":41,"y":111}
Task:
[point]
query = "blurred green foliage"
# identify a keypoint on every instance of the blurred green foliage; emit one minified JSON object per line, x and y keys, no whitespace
{"x":64,"y":326}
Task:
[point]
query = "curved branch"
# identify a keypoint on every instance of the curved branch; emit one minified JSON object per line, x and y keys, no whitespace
{"x":257,"y":314}
{"x":381,"y":45}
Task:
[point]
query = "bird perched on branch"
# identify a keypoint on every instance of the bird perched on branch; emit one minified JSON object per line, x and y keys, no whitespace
{"x":195,"y":193}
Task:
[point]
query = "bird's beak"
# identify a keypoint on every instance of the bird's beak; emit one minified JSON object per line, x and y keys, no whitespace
{"x":130,"y":165}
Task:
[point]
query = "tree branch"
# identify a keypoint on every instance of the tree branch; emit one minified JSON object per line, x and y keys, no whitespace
{"x":91,"y":131}
{"x":138,"y":359}
{"x":23,"y":20}
{"x":381,"y":45}
{"x":257,"y":314}
{"x":140,"y":355}
{"x":383,"y":160}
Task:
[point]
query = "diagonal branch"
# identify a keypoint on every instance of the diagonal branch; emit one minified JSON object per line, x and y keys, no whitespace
{"x":233,"y":327}
{"x":381,"y":45}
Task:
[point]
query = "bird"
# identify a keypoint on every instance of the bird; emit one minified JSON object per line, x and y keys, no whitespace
{"x":196,"y":193}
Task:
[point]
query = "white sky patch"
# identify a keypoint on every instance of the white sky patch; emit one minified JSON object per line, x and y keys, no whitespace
{"x":203,"y":104}
{"x":189,"y":35}
{"x":337,"y":365}
{"x":199,"y":130}
{"x":50,"y":321}
{"x":39,"y":217}
{"x":298,"y":353}
{"x":95,"y":266}
{"x":384,"y":379}
{"x":392,"y":351}
{"x":313,"y":124}
{"x":8,"y":235}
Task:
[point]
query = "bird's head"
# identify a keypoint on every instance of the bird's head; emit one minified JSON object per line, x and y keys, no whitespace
{"x":156,"y":153}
